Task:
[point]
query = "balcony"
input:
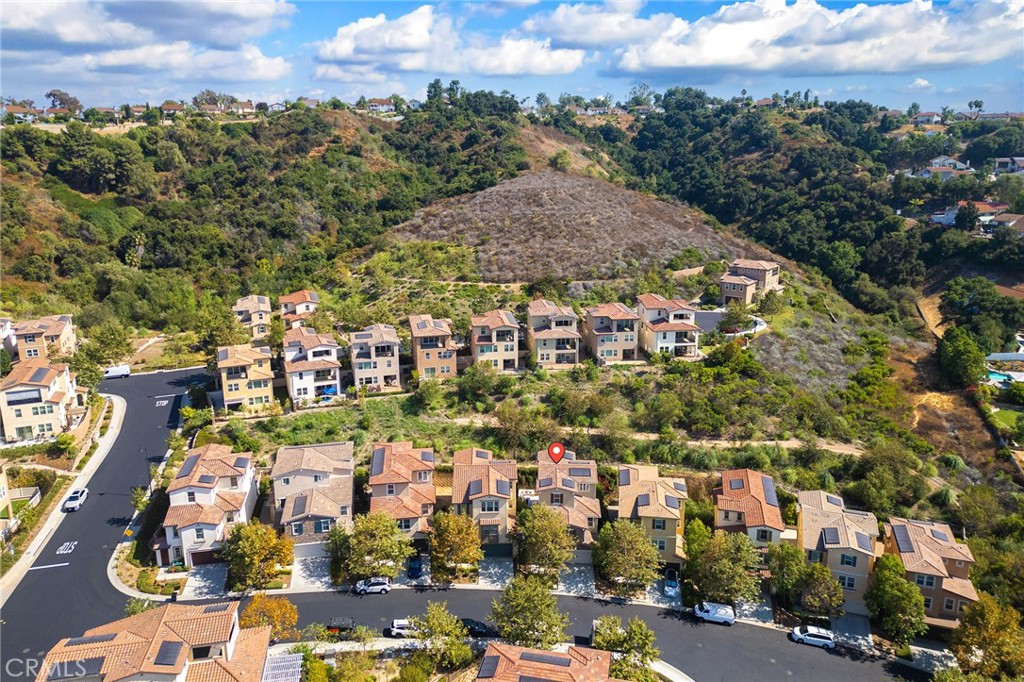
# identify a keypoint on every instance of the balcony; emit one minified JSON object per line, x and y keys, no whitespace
{"x":236,"y":375}
{"x":383,"y":351}
{"x":432,"y":343}
{"x":324,"y":375}
{"x":565,"y":345}
{"x":505,"y":336}
{"x":684,"y":337}
{"x":625,"y":327}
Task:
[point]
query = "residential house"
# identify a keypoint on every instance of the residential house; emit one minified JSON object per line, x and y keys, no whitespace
{"x":1000,"y":116}
{"x":965,"y":116}
{"x":296,"y":307}
{"x":570,"y":488}
{"x":597,"y":111}
{"x":8,"y":524}
{"x":402,"y":486}
{"x":20,"y":113}
{"x":656,"y":503}
{"x":433,"y":349}
{"x":243,"y":108}
{"x":747,"y":280}
{"x":845,"y":540}
{"x":139,"y":109}
{"x":611,"y":332}
{"x":1014,"y":221}
{"x":8,"y":341}
{"x":764,"y":102}
{"x":170,"y":109}
{"x":484,"y":488}
{"x":375,"y":361}
{"x":747,"y":503}
{"x":39,"y":399}
{"x":578,"y":111}
{"x":169,"y":643}
{"x":945,"y":161}
{"x":381,"y":106}
{"x":312,"y":487}
{"x":61,"y":111}
{"x":213,"y":490}
{"x":668,"y":326}
{"x":212,"y":109}
{"x":1008,"y":164}
{"x":551,"y":334}
{"x":943,"y":173}
{"x":312,"y":365}
{"x":987,"y":211}
{"x":254,"y":313}
{"x":50,"y":335}
{"x":507,"y":663}
{"x":311,"y":103}
{"x":891,"y":113}
{"x":494,"y":338}
{"x":246,"y":378}
{"x":926,"y":117}
{"x":937,"y":564}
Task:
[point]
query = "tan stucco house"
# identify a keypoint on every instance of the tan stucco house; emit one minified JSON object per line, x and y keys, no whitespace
{"x":658,"y":504}
{"x":484,"y":488}
{"x":570,"y":488}
{"x":402,"y":486}
{"x":433,"y":349}
{"x":312,"y":487}
{"x":611,"y":332}
{"x":747,"y":502}
{"x":39,"y":399}
{"x":254,"y":314}
{"x":552,"y":335}
{"x":375,"y":357}
{"x":495,"y":339}
{"x":46,"y":336}
{"x":246,"y":378}
{"x":668,"y":326}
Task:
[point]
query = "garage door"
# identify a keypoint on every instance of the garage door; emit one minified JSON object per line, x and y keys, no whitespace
{"x":207,"y":557}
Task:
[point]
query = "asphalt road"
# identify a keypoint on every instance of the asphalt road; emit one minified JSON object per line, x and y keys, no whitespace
{"x":66,"y":591}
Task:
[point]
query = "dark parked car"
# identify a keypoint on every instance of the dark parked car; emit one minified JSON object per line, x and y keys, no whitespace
{"x":340,"y":625}
{"x":415,"y":567}
{"x":478,"y":628}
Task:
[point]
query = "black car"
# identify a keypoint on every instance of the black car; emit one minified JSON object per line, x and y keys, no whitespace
{"x":340,"y":625}
{"x":478,"y":628}
{"x":415,"y":567}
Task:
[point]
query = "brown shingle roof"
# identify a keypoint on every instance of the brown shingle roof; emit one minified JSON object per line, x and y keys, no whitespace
{"x":252,"y":304}
{"x":213,"y":460}
{"x":329,"y":458}
{"x":30,"y":372}
{"x":749,"y":498}
{"x":639,"y":480}
{"x":493,"y":319}
{"x":470,"y":467}
{"x":321,"y":501}
{"x":614,"y":311}
{"x":930,"y":543}
{"x":425,"y":325}
{"x":818,"y":511}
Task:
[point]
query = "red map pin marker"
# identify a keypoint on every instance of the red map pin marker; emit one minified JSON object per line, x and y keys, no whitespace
{"x":556,"y":451}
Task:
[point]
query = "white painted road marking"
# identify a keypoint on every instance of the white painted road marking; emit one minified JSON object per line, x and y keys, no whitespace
{"x":168,"y":395}
{"x":162,"y":403}
{"x":67,"y":547}
{"x":36,"y":568}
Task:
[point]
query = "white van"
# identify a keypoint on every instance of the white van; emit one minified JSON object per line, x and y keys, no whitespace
{"x":710,"y":612}
{"x":117,"y":372}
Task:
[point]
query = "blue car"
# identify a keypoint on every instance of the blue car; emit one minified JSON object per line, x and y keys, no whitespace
{"x":672,"y":584}
{"x":415,"y":567}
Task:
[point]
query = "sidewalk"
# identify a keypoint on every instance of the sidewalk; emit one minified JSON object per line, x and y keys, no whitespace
{"x":14,"y":576}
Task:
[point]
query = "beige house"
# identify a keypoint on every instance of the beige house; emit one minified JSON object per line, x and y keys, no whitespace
{"x":297,"y":306}
{"x":843,"y":539}
{"x":551,"y":334}
{"x":374,"y":352}
{"x":50,"y":335}
{"x":254,"y":313}
{"x":938,"y":564}
{"x":611,"y":332}
{"x":495,"y":340}
{"x":747,"y":503}
{"x":39,"y":400}
{"x":169,"y":643}
{"x":213,"y":490}
{"x":312,"y":365}
{"x":484,"y":488}
{"x":668,"y":326}
{"x":656,"y":503}
{"x":246,"y":378}
{"x":570,"y":488}
{"x":747,"y":280}
{"x":507,"y":663}
{"x":402,"y":486}
{"x":312,"y":488}
{"x":433,"y":349}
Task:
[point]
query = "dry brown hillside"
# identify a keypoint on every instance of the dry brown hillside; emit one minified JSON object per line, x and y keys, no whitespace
{"x":551,"y":223}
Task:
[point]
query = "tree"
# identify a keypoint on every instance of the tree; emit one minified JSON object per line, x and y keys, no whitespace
{"x":454,"y":540}
{"x":429,"y":395}
{"x":635,"y":643}
{"x":253,"y":552}
{"x":277,"y":612}
{"x":62,"y":100}
{"x":217,"y":325}
{"x":966,"y":217}
{"x":444,"y":636}
{"x":978,"y":509}
{"x":320,"y":320}
{"x":726,"y":570}
{"x":561,"y":160}
{"x":542,"y":101}
{"x":990,"y":640}
{"x":625,"y":556}
{"x":108,"y":343}
{"x":961,"y":358}
{"x":136,"y":605}
{"x":771,"y":304}
{"x":735,"y":318}
{"x":527,"y":614}
{"x":5,"y":362}
{"x":139,"y":498}
{"x":821,"y":593}
{"x":786,"y":564}
{"x":375,"y":546}
{"x":275,"y":335}
{"x":895,"y":605}
{"x":543,"y":539}
{"x":697,"y":538}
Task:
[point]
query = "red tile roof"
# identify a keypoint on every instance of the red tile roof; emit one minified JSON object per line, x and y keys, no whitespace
{"x":744,"y":490}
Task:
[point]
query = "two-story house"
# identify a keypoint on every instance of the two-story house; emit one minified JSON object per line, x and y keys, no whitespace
{"x":433,"y":349}
{"x":668,"y":326}
{"x":297,"y":306}
{"x":37,"y":338}
{"x":311,"y":365}
{"x":402,"y":486}
{"x":656,"y":503}
{"x":845,"y":540}
{"x":374,"y":352}
{"x":747,"y":280}
{"x":747,"y":503}
{"x":380,"y":105}
{"x":611,"y":332}
{"x":213,"y":490}
{"x":551,"y":334}
{"x":254,"y":314}
{"x":168,"y":643}
{"x":484,"y":488}
{"x":938,"y":564}
{"x":507,"y":663}
{"x":312,"y":488}
{"x":246,"y":378}
{"x":570,"y":488}
{"x":495,"y":339}
{"x":39,"y":399}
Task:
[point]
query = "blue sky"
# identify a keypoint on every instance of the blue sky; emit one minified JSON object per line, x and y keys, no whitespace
{"x":108,"y":52}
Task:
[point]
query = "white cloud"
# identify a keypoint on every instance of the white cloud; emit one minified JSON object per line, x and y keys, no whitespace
{"x":66,"y":22}
{"x":425,"y":40}
{"x":588,"y":25}
{"x":210,"y":22}
{"x":181,"y":61}
{"x":920,"y":84}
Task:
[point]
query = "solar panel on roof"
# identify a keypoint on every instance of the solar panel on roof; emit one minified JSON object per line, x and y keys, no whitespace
{"x":643,"y":500}
{"x":187,"y":466}
{"x":92,"y":639}
{"x":241,"y":462}
{"x":287,"y":668}
{"x":207,"y":478}
{"x":68,"y":670}
{"x":863,"y":541}
{"x":769,"y":490}
{"x":216,"y":608}
{"x":831,"y":535}
{"x":363,"y":335}
{"x":679,"y":486}
{"x":377,"y":463}
{"x":903,"y":541}
{"x":504,"y":488}
{"x":939,"y":535}
{"x":672,"y":502}
{"x":39,"y":374}
{"x":623,"y":476}
{"x":568,"y":483}
{"x":427,"y":456}
{"x":832,"y":499}
{"x":579,"y":471}
{"x":549,"y":659}
{"x":300,"y":505}
{"x":475,"y":487}
{"x":736,"y":484}
{"x":544,"y":482}
{"x":488,"y":667}
{"x":421,"y":324}
{"x":168,"y":653}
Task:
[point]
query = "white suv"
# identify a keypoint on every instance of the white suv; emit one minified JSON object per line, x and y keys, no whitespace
{"x":710,"y":612}
{"x":402,"y":627}
{"x":377,"y":585}
{"x":815,"y":636}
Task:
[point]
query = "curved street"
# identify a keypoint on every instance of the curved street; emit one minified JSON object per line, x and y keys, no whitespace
{"x":67,"y":591}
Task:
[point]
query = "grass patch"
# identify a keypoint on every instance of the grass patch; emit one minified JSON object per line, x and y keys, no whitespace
{"x":1006,"y":419}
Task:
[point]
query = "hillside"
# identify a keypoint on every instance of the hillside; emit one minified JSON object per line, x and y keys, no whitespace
{"x":570,"y":227}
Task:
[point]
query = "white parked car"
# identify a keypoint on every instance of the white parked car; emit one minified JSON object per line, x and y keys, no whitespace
{"x":117,"y":372}
{"x":75,"y":500}
{"x":710,"y":612}
{"x":815,"y":636}
{"x":378,"y":585}
{"x":671,"y":588}
{"x":402,"y":627}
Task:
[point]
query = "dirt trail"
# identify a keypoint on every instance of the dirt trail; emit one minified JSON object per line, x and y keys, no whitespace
{"x":928,"y":307}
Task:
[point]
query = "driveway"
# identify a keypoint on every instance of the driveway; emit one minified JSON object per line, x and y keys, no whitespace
{"x":853,"y":631}
{"x":495,"y":572}
{"x":656,"y":596}
{"x":205,"y":582}
{"x":758,"y":611}
{"x":311,"y":571}
{"x":424,"y":579}
{"x":578,"y":581}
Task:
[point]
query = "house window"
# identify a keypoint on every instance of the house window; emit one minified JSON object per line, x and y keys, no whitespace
{"x":725,"y":515}
{"x":322,"y":526}
{"x":584,"y":487}
{"x":190,"y":496}
{"x":764,"y":535}
{"x":949,"y":604}
{"x":446,"y":369}
{"x":296,"y":529}
{"x":556,"y":498}
{"x":847,"y":560}
{"x":658,"y":524}
{"x":422,"y":476}
{"x":927,"y":603}
{"x":234,"y":481}
{"x":17,"y":413}
{"x":45,"y":428}
{"x":232,"y":388}
{"x":286,"y":481}
{"x":959,"y":564}
{"x":200,"y":534}
{"x":848,"y":582}
{"x":32,"y":353}
{"x":390,"y":489}
{"x":425,"y":509}
{"x":489,"y":506}
{"x":317,"y":478}
{"x":660,"y":544}
{"x":924,"y":580}
{"x":231,"y":517}
{"x":30,"y":338}
{"x":405,"y":524}
{"x":174,"y":534}
{"x":961,"y":606}
{"x":343,"y":510}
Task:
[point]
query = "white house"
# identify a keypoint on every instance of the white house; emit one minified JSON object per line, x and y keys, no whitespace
{"x":667,"y":326}
{"x":381,"y":106}
{"x":311,"y":365}
{"x":926,"y":117}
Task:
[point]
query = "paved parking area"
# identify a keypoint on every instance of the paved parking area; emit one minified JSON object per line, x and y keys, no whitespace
{"x":205,"y":582}
{"x":759,"y":610}
{"x":495,"y":572}
{"x":578,"y":580}
{"x":311,"y":571}
{"x":853,"y":631}
{"x":424,"y":579}
{"x":656,"y":595}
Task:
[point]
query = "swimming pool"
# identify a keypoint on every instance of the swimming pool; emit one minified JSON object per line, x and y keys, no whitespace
{"x":999,"y":376}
